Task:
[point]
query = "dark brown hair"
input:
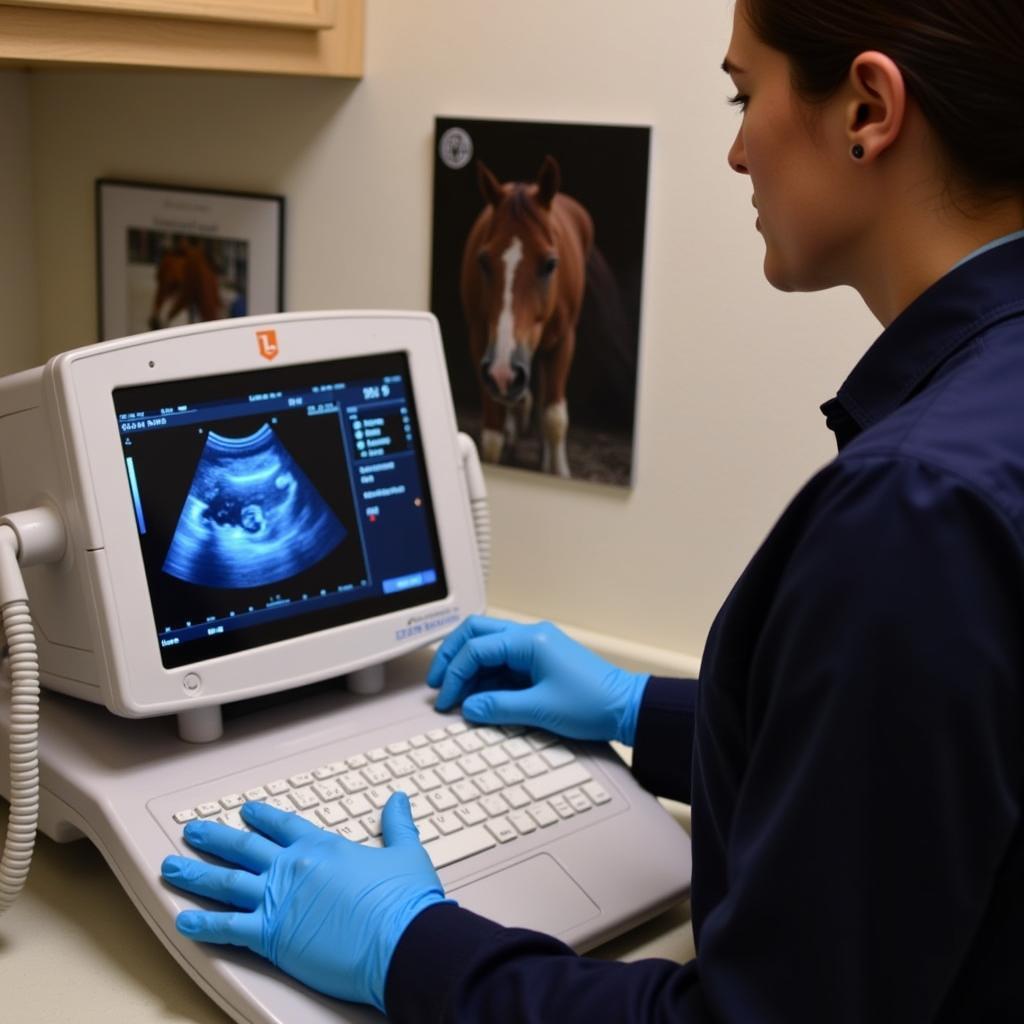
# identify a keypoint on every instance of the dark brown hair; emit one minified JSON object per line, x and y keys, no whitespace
{"x":962,"y":61}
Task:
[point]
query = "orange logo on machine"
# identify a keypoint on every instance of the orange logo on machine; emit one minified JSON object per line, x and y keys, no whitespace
{"x":268,"y":343}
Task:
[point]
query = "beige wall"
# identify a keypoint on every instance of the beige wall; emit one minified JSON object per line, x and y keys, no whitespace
{"x":732,"y":372}
{"x":19,"y":342}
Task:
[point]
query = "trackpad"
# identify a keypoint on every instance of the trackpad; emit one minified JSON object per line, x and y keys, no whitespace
{"x":537,"y":893}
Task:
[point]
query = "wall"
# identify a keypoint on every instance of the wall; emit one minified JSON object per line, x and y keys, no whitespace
{"x":732,"y":372}
{"x":19,"y":344}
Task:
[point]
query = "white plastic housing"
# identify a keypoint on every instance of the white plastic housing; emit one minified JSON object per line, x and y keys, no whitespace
{"x":60,"y":446}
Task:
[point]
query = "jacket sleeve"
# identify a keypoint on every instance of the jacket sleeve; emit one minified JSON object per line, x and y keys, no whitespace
{"x":663,"y":751}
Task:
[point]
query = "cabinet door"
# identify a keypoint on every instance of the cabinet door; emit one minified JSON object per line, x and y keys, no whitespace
{"x":290,"y":37}
{"x":308,"y":14}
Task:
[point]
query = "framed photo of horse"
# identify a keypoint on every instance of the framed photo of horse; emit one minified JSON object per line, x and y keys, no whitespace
{"x":538,"y":246}
{"x":169,"y":255}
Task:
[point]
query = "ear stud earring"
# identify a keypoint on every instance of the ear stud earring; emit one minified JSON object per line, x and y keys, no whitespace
{"x":857,"y":151}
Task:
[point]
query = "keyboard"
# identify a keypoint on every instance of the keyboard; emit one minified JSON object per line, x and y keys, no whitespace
{"x":471,"y":788}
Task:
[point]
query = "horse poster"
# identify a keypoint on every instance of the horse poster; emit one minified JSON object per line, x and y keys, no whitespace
{"x":538,"y":243}
{"x":171,"y":256}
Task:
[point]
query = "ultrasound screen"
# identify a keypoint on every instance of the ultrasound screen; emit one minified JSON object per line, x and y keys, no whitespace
{"x":277,"y":502}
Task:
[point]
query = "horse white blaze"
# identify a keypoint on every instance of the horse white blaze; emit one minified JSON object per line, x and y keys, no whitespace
{"x":505,"y":334}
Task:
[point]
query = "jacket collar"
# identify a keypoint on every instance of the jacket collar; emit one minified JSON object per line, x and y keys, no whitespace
{"x":970,"y":298}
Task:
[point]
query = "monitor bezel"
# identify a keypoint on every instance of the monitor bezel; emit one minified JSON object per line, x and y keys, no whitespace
{"x":104,"y":529}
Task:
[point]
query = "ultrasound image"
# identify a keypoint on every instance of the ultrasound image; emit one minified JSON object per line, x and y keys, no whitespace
{"x":251,"y":517}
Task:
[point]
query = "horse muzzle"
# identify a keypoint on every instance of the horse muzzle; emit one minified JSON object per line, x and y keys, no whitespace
{"x":505,"y":383}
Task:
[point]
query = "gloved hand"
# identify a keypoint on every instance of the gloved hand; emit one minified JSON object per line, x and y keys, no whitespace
{"x":325,"y":910}
{"x":509,"y":674}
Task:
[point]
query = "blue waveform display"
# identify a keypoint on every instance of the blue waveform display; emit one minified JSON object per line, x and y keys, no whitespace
{"x":251,"y":517}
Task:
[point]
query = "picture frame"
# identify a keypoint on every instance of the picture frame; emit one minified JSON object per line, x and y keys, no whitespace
{"x":169,"y":255}
{"x":512,"y":194}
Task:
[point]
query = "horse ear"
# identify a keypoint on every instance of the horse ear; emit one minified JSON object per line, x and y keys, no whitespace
{"x":490,"y":187}
{"x":549,"y":181}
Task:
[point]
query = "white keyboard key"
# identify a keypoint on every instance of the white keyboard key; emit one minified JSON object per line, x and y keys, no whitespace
{"x":231,"y":801}
{"x":278,"y":787}
{"x":494,"y":805}
{"x":434,"y":735}
{"x":577,"y":800}
{"x":328,"y":771}
{"x":233,"y":820}
{"x":501,"y":830}
{"x":562,"y":806}
{"x":494,"y":756}
{"x":312,"y":818}
{"x":470,"y":742}
{"x":489,"y":735}
{"x":356,"y":761}
{"x":419,"y":740}
{"x":256,"y":794}
{"x":399,"y":747}
{"x":488,"y":782}
{"x":448,"y":750}
{"x":282,"y":803}
{"x":442,"y":799}
{"x":427,"y":779}
{"x":449,"y":849}
{"x":517,"y":747}
{"x":376,"y":774}
{"x":328,"y":790}
{"x":523,"y":823}
{"x":542,"y":814}
{"x":449,"y":773}
{"x":208,"y":810}
{"x":531,"y":765}
{"x":300,"y":779}
{"x":427,"y":831}
{"x":455,"y":728}
{"x":353,"y":782}
{"x":424,"y":758}
{"x":446,"y":823}
{"x":510,"y":774}
{"x":303,"y":798}
{"x":554,"y":782}
{"x":472,"y":764}
{"x":371,"y":822}
{"x":420,"y":807}
{"x":377,"y":754}
{"x":516,"y":796}
{"x":401,"y":766}
{"x":596,"y":793}
{"x":356,"y":805}
{"x":471,"y":814}
{"x":352,"y":830}
{"x":331,"y":814}
{"x":406,"y":786}
{"x":465,"y":790}
{"x":539,"y":739}
{"x":378,"y":796}
{"x":186,"y":815}
{"x":557,"y":756}
{"x":376,"y":841}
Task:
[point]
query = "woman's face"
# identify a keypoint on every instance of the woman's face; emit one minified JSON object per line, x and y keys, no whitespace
{"x":799,"y":163}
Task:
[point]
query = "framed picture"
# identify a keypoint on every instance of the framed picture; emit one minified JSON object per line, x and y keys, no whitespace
{"x":169,"y":256}
{"x":537,"y":275}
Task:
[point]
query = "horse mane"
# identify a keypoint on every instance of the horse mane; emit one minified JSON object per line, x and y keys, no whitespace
{"x":522,"y":208}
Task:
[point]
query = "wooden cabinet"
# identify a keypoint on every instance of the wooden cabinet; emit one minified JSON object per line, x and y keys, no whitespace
{"x":291,"y":37}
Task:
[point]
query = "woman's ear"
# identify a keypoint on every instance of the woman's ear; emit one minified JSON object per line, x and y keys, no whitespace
{"x":876,"y":109}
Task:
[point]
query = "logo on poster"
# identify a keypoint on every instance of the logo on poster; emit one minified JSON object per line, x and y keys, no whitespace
{"x":456,"y":148}
{"x":268,"y":343}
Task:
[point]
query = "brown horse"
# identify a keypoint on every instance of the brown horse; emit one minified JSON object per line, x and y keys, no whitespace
{"x":523,"y":280}
{"x":185,"y":278}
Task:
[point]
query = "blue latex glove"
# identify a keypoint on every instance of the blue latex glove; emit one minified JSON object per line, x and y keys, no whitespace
{"x":504,"y":673}
{"x":325,"y":910}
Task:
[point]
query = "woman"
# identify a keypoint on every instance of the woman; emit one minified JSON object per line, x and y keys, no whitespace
{"x":855,"y":759}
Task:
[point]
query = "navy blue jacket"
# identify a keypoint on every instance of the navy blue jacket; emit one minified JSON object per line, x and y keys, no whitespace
{"x":854,"y":751}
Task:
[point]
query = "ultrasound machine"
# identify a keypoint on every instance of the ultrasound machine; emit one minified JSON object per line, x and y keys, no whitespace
{"x":225,"y":551}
